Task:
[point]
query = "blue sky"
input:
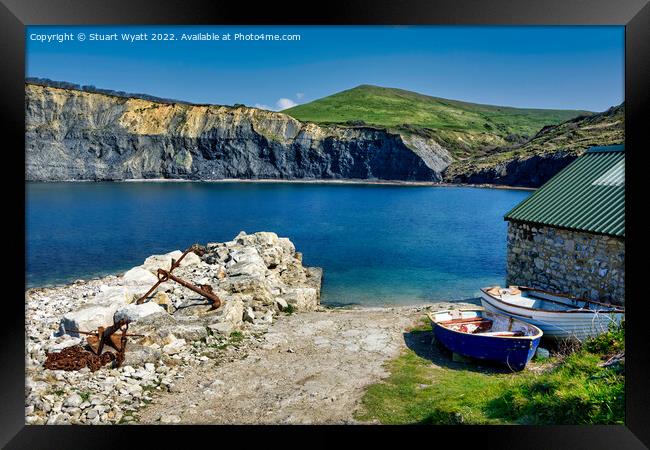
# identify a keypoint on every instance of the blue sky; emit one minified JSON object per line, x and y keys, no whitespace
{"x":578,"y":67}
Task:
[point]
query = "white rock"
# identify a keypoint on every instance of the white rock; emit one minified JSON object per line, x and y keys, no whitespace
{"x":73,"y":401}
{"x":149,"y":367}
{"x":139,"y":276}
{"x":169,"y":338}
{"x":118,"y":294}
{"x":232,"y":312}
{"x":88,"y":318}
{"x":249,"y":315}
{"x":249,"y":269}
{"x":163,"y":300}
{"x":174,"y":347}
{"x":268,"y":317}
{"x":62,"y":342}
{"x":190,"y":332}
{"x":266,"y":238}
{"x":133,"y":312}
{"x":282,"y":303}
{"x":287,"y":246}
{"x":169,"y":418}
{"x":223,"y":328}
{"x":191,"y":259}
{"x":246,"y":262}
{"x":302,"y":299}
{"x":155,"y":262}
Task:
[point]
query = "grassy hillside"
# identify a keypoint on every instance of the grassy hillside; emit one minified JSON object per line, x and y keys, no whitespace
{"x":573,"y":136}
{"x":473,"y":124}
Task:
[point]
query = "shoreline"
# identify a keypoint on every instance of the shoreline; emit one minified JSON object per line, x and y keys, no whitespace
{"x":327,"y":306}
{"x":297,"y":181}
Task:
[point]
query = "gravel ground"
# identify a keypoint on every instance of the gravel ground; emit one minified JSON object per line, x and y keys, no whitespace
{"x":309,"y":368}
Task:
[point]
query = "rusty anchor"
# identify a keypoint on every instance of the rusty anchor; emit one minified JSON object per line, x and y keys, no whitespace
{"x":77,"y":357}
{"x":163,"y":275}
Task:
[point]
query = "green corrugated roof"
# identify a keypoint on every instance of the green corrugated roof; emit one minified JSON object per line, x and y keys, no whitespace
{"x":587,"y":195}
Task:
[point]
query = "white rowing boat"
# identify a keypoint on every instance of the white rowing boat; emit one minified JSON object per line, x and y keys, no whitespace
{"x":558,"y":316}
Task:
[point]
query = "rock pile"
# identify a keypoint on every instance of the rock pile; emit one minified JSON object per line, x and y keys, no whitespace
{"x":256,"y":276}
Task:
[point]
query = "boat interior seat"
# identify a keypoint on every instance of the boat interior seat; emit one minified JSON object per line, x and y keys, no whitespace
{"x":499,"y":291}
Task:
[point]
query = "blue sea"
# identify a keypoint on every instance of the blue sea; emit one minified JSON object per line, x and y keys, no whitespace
{"x":377,"y":244}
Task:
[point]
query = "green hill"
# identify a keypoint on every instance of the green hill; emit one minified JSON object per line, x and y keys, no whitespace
{"x":464,"y":126}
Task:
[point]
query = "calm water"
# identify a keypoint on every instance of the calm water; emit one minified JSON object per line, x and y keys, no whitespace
{"x":377,"y":244}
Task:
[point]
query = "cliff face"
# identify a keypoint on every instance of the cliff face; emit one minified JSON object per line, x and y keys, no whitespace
{"x":531,"y":171}
{"x":77,"y":135}
{"x":534,"y":162}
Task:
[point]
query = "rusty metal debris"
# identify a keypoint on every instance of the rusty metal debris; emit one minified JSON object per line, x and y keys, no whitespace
{"x":165,"y":275}
{"x":77,"y":357}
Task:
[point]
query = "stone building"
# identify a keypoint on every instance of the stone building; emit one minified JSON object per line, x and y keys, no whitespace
{"x":569,"y":236}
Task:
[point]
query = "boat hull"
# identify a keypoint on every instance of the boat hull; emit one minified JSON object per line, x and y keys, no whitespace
{"x":513,"y":352}
{"x":556,"y":325}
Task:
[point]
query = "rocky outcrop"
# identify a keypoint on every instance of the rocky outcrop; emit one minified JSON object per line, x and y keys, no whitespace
{"x":530,"y":172}
{"x":79,"y":135}
{"x":534,"y":162}
{"x":258,"y":278}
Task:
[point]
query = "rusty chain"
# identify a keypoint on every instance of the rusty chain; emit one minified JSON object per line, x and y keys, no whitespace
{"x":76,"y":357}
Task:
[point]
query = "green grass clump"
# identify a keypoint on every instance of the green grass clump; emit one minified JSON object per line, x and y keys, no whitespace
{"x":236,"y":337}
{"x":577,"y":390}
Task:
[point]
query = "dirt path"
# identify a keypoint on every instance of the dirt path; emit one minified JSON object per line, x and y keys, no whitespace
{"x":309,"y":368}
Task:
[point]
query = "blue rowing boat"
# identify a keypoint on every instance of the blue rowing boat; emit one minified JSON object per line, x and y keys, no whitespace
{"x":481,"y":334}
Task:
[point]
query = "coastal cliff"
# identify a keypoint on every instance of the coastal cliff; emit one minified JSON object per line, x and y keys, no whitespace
{"x":550,"y":150}
{"x":77,"y":135}
{"x":94,"y":135}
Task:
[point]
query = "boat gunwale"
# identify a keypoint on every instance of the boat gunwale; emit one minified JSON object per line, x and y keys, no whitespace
{"x":538,"y":334}
{"x":612,"y":309}
{"x":550,"y":332}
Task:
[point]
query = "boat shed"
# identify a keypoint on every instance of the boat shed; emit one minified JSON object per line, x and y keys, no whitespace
{"x":569,"y":236}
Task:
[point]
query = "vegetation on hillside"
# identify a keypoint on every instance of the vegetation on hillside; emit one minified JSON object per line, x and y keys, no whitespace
{"x":461,"y":124}
{"x":95,"y":90}
{"x":585,"y":386}
{"x":573,"y":137}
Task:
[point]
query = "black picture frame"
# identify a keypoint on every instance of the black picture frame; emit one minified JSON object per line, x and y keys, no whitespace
{"x":16,"y":14}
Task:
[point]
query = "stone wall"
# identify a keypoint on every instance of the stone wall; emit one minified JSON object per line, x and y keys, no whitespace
{"x":577,"y":263}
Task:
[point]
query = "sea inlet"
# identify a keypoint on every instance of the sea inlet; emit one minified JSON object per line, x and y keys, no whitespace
{"x":377,"y":244}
